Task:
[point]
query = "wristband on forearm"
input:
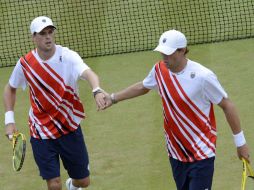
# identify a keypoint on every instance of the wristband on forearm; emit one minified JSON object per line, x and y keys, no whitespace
{"x":9,"y":117}
{"x":239,"y":139}
{"x":113,"y":98}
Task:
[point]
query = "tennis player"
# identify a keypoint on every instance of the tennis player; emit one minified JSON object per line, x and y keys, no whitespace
{"x":51,"y":72}
{"x":188,"y":91}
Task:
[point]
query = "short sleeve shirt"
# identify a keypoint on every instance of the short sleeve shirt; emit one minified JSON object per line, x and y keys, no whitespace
{"x":199,"y":83}
{"x":67,"y":63}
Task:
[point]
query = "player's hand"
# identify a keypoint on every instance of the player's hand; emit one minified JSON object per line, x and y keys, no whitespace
{"x":104,"y":102}
{"x":243,"y":152}
{"x":108,"y":101}
{"x":100,"y":100}
{"x":10,"y":129}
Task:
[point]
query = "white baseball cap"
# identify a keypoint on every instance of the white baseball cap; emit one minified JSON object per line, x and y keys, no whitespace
{"x":39,"y":23}
{"x":170,"y":41}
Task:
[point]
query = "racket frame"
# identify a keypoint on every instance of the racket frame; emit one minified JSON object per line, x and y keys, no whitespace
{"x":14,"y":143}
{"x":247,"y":172}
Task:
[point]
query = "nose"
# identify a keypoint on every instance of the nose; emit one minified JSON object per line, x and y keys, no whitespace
{"x":47,"y":35}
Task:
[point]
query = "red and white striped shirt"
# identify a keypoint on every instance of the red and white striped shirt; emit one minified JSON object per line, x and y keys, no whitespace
{"x":56,"y":108}
{"x":188,"y":98}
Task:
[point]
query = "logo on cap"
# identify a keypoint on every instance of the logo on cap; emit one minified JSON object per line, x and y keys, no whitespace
{"x":43,"y":20}
{"x":164,"y":40}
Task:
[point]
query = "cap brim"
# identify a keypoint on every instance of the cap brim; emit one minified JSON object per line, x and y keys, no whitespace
{"x":42,"y":27}
{"x":165,"y":50}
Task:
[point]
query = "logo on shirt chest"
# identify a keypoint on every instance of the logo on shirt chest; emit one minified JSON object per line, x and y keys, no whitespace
{"x":192,"y":75}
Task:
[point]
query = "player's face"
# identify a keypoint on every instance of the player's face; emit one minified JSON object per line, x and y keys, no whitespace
{"x":174,"y":60}
{"x":171,"y":59}
{"x":45,"y":40}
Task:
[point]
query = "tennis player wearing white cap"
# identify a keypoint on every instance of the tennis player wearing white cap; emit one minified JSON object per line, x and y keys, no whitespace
{"x":51,"y":72}
{"x":188,"y":92}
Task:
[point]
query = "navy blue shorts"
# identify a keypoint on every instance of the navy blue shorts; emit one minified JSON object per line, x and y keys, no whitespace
{"x":70,"y":148}
{"x":196,"y":175}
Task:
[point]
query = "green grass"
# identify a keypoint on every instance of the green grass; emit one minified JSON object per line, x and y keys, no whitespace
{"x":126,"y":143}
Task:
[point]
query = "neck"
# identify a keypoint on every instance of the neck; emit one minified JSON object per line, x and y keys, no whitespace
{"x":46,"y":54}
{"x":177,"y":66}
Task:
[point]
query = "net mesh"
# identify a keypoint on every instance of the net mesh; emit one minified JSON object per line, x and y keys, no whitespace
{"x":95,"y":27}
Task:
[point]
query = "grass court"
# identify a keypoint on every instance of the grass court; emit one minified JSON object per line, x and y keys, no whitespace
{"x":126,"y":142}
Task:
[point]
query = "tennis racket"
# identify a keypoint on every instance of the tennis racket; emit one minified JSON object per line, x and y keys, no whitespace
{"x":247,"y":172}
{"x":19,"y":150}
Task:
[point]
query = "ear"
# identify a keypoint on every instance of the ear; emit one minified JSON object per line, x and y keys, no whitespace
{"x":184,"y":50}
{"x":33,"y":37}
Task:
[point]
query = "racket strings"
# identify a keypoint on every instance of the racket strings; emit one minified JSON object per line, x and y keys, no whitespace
{"x":247,"y":173}
{"x":19,"y":152}
{"x":18,"y":149}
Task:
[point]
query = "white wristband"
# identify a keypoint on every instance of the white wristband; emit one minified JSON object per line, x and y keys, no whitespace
{"x":239,"y":139}
{"x":113,"y":98}
{"x":9,"y":117}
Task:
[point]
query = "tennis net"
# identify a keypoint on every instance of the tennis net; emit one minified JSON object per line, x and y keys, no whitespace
{"x":96,"y":28}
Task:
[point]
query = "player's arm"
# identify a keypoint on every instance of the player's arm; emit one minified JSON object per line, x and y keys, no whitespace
{"x":234,"y":122}
{"x":91,"y":77}
{"x":132,"y":91}
{"x":94,"y":82}
{"x":9,"y":102}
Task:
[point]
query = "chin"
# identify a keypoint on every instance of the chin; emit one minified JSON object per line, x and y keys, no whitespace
{"x":49,"y":46}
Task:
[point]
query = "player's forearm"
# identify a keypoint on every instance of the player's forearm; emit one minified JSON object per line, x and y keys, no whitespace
{"x":232,"y":117}
{"x":234,"y":123}
{"x":131,"y":92}
{"x":92,"y":78}
{"x":9,"y":97}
